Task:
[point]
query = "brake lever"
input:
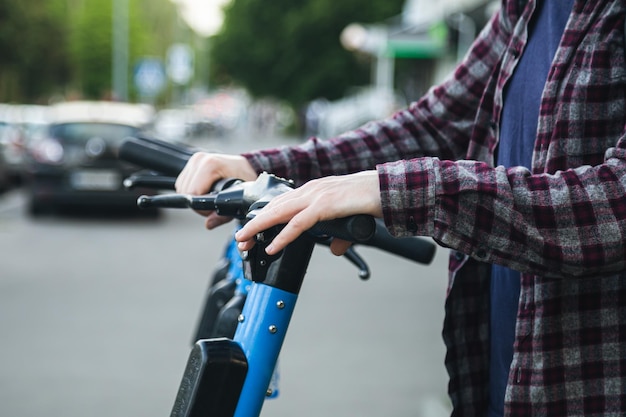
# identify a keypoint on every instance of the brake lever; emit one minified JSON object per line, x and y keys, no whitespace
{"x":150,"y":180}
{"x":351,"y":255}
{"x":357,"y":260}
{"x":208,"y":202}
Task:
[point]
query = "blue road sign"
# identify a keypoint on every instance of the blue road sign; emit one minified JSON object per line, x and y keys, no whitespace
{"x":149,"y":77}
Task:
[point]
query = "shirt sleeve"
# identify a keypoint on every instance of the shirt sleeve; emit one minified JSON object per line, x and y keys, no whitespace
{"x":566,"y":219}
{"x":568,"y":224}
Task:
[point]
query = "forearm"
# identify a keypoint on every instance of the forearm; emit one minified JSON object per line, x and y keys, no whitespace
{"x":572,"y":223}
{"x":358,"y":150}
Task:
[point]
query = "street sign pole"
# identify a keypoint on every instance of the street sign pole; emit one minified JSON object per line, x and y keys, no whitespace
{"x":180,"y":67}
{"x":119,"y":31}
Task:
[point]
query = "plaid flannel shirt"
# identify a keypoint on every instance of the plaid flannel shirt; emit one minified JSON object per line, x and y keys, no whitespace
{"x":562,"y":224}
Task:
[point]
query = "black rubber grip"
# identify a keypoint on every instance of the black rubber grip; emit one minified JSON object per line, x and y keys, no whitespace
{"x":180,"y":148}
{"x":163,"y":201}
{"x":413,"y":248}
{"x":358,"y":229}
{"x":152,"y":156}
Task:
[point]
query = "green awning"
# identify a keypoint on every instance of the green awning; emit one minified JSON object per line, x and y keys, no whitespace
{"x":430,"y":44}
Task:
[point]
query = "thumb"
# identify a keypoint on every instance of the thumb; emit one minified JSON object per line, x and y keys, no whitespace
{"x":214,"y":220}
{"x":339,"y":246}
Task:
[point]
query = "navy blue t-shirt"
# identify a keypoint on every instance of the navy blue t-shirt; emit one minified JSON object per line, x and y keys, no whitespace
{"x":518,"y":131}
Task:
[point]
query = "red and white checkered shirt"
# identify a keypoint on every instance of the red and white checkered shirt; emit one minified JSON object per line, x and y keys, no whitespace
{"x":562,"y":224}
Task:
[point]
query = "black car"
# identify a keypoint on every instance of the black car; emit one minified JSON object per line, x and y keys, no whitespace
{"x":75,"y":164}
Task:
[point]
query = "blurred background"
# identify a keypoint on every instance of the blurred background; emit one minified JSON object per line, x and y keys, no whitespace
{"x":98,"y":301}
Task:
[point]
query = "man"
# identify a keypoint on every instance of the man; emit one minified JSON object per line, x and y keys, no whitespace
{"x":517,"y":162}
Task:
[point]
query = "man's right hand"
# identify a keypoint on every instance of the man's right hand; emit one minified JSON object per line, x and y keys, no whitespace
{"x":204,"y":169}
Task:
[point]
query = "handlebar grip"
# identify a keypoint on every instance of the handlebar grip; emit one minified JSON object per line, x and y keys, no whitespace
{"x":179,"y":148}
{"x":413,"y":248}
{"x":152,"y":156}
{"x":359,"y":228}
{"x":163,"y":200}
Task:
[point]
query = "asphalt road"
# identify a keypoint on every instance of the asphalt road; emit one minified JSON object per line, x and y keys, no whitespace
{"x":97,"y":312}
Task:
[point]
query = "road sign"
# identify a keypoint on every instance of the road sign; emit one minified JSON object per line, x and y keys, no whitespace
{"x":180,"y":63}
{"x":149,"y":77}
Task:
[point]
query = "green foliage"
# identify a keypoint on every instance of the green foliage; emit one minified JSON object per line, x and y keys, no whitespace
{"x":290,"y":49}
{"x":92,"y":47}
{"x":32,"y":61}
{"x":287,"y":49}
{"x":64,"y":47}
{"x":152,"y":25}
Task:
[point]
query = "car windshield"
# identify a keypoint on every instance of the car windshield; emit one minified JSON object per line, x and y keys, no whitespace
{"x":80,"y":133}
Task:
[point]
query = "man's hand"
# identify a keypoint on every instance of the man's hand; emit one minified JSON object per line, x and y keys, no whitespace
{"x":321,"y":199}
{"x":204,"y":169}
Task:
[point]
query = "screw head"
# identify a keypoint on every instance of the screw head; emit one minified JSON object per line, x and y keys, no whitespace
{"x":273,"y":329}
{"x":280,"y":304}
{"x":241,"y":318}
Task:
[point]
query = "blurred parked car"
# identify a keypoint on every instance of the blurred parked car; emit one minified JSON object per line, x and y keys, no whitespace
{"x":18,"y":124}
{"x":5,"y":181}
{"x":75,"y":163}
{"x":13,"y":151}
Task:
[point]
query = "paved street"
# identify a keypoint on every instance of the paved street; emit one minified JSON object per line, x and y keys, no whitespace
{"x":97,"y":312}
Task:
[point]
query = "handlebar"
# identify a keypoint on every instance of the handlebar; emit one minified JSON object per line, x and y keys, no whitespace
{"x":243,"y":366}
{"x":149,"y":180}
{"x":235,"y":198}
{"x":414,"y":248}
{"x":242,"y":200}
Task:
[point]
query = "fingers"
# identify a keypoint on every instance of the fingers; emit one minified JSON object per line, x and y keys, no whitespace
{"x":204,"y":169}
{"x":299,"y":224}
{"x":321,"y":199}
{"x":293,"y":211}
{"x":196,"y":177}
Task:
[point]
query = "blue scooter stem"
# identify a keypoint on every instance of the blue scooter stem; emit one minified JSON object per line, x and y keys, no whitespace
{"x":261,"y":333}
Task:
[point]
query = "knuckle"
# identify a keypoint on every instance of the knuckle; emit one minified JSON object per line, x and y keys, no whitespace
{"x":302,"y":221}
{"x":297,"y":223}
{"x":271,"y":211}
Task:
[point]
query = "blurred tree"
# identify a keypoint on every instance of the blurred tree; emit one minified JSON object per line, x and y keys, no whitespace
{"x":153,"y":26}
{"x":32,"y":39}
{"x":91,"y":43}
{"x":290,"y":49}
{"x":63,"y":47}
